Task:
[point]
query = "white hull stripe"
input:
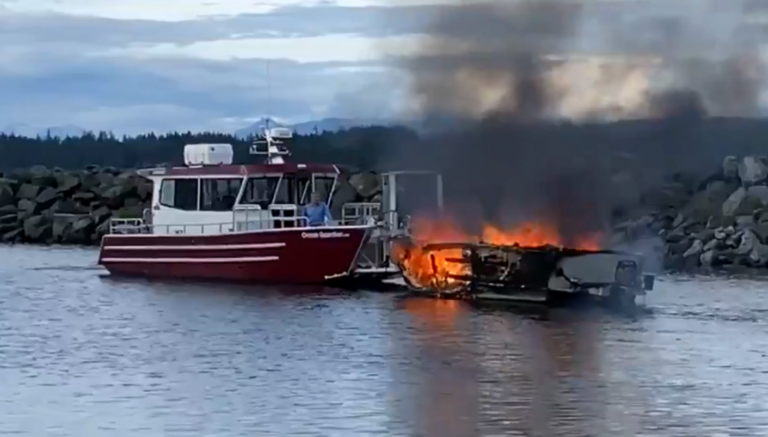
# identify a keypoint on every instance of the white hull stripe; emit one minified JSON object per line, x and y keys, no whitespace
{"x":258,"y":231}
{"x":200,"y":247}
{"x":242,"y":259}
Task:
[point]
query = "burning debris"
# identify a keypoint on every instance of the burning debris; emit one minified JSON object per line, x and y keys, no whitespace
{"x":426,"y":265}
{"x":526,"y":263}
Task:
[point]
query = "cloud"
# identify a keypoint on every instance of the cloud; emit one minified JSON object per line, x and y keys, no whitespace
{"x":135,"y":65}
{"x":138,"y":65}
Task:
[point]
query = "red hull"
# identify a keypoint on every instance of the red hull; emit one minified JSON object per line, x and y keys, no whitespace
{"x":286,"y":256}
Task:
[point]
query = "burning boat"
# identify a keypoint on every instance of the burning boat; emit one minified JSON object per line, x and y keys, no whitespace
{"x":526,"y":265}
{"x":212,"y":219}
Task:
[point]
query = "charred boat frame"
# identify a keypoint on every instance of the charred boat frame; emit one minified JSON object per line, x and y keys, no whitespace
{"x":545,"y":274}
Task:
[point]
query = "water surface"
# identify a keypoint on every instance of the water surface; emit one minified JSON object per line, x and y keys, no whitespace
{"x":85,"y":355}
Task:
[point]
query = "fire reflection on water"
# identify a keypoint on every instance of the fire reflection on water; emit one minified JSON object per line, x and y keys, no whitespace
{"x":550,"y":365}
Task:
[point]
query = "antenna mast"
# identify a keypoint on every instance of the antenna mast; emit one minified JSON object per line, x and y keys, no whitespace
{"x":271,"y":137}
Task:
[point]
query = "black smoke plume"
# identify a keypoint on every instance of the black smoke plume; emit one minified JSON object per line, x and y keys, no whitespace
{"x":532,"y":106}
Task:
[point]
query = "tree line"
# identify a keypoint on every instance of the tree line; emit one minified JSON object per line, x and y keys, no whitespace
{"x":357,"y":147}
{"x":671,"y":143}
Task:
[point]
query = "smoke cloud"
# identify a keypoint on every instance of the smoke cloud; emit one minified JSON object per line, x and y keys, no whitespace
{"x":518,"y":96}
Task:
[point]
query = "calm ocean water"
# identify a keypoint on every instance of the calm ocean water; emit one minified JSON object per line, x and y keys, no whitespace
{"x":85,"y":355}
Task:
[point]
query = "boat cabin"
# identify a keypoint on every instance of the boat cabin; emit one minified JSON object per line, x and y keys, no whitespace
{"x":210,"y":195}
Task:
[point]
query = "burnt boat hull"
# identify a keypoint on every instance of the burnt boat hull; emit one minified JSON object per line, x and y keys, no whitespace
{"x":284,"y":256}
{"x":539,"y":275}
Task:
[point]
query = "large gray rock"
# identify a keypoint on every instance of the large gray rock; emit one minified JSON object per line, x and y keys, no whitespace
{"x":69,"y":206}
{"x":759,"y":191}
{"x":730,"y":167}
{"x":27,"y":208}
{"x":367,"y":184}
{"x":720,"y":221}
{"x":8,"y":218}
{"x":83,"y":228}
{"x":67,"y":182}
{"x":751,"y":248}
{"x":695,"y":250}
{"x":88,"y":182}
{"x":61,"y":225}
{"x":64,"y":230}
{"x":144,"y":190}
{"x":122,"y":187}
{"x":344,"y":193}
{"x":101,"y":214}
{"x":84,"y":197}
{"x":105,"y":179}
{"x":22,"y":175}
{"x":47,"y":197}
{"x":8,"y":223}
{"x":761,"y":230}
{"x":28,"y":191}
{"x":42,"y":176}
{"x":745,"y":221}
{"x":741,"y":202}
{"x":37,"y":228}
{"x":7,"y":195}
{"x":129,"y":212}
{"x":13,"y":236}
{"x":753,"y":169}
{"x":708,"y":203}
{"x":101,"y":230}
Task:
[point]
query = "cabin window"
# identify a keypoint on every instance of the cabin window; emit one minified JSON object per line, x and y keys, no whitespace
{"x":303,"y":185}
{"x":286,"y":191}
{"x":179,"y":194}
{"x":259,"y":191}
{"x":324,"y":185}
{"x":219,"y":194}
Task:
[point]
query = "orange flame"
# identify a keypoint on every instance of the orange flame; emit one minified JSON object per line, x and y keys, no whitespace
{"x":435,"y":269}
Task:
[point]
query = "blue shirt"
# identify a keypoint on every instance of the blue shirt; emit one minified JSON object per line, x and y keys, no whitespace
{"x":317,"y":214}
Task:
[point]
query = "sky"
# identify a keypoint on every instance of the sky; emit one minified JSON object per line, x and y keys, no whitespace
{"x":138,"y":65}
{"x":132,"y":66}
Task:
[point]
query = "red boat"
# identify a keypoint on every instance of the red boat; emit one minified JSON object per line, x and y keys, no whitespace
{"x":212,"y":219}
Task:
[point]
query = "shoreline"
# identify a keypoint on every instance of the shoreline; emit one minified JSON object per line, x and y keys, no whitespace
{"x":700,"y":224}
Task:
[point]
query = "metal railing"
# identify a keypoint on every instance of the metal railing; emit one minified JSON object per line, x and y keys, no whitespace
{"x":359,"y":212}
{"x":137,"y":226}
{"x":128,"y":226}
{"x":391,"y":222}
{"x":249,"y":218}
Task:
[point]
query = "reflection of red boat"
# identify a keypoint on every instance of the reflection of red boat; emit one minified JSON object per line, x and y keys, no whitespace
{"x":215,"y":220}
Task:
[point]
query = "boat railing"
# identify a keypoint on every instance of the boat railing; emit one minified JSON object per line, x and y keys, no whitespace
{"x":138,"y":226}
{"x":128,"y":226}
{"x":359,"y":212}
{"x":392,"y":223}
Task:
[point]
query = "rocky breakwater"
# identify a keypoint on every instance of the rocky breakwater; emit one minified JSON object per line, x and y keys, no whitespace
{"x":717,"y":221}
{"x":54,"y":206}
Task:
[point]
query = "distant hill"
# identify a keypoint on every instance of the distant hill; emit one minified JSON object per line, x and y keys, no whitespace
{"x":319,"y":126}
{"x":26,"y":130}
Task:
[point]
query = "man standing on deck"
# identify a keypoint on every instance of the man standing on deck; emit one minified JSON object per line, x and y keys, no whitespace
{"x":317,"y":211}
